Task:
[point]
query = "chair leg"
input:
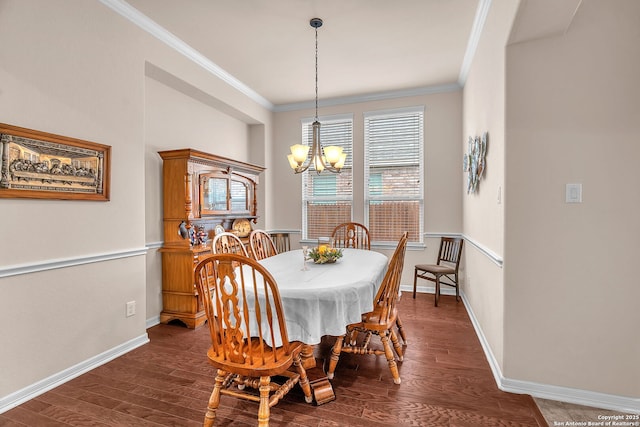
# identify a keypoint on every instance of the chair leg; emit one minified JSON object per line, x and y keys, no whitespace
{"x":388,"y":352}
{"x":415,"y":279}
{"x":396,"y":345}
{"x":264,"y":411}
{"x":437,"y":296}
{"x":303,"y":381}
{"x":401,"y":330}
{"x":366,"y":341}
{"x":457,"y":288}
{"x":214,"y":399}
{"x":335,"y":356}
{"x":353,"y":337}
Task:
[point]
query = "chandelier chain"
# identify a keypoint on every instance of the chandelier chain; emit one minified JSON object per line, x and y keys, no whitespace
{"x":329,"y":158}
{"x":316,"y":73}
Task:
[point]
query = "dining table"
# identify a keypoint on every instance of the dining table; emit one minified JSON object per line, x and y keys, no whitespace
{"x":322,"y":299}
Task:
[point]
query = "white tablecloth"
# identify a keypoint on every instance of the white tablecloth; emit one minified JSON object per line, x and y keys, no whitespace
{"x":327,"y":297}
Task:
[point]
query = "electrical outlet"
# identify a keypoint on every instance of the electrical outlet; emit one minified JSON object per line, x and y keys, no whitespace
{"x":131,"y":308}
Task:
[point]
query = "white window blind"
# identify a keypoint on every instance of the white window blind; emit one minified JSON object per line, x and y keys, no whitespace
{"x":327,"y":198}
{"x":393,"y":174}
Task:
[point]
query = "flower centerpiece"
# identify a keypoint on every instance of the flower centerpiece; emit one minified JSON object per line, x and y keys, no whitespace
{"x":325,"y":254}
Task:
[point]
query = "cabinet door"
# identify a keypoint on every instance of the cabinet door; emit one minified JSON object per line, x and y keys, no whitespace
{"x":214,"y":194}
{"x":240,"y":195}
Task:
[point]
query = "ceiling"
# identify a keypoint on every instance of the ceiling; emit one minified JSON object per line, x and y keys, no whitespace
{"x":365,"y":47}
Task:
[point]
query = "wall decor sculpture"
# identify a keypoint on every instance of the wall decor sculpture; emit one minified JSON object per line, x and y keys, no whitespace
{"x":474,"y":161}
{"x":41,"y":165}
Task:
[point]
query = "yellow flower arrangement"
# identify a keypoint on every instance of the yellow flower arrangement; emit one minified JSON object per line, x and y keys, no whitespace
{"x":325,"y":254}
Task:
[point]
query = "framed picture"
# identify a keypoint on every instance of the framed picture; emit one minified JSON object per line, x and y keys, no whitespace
{"x":40,"y":165}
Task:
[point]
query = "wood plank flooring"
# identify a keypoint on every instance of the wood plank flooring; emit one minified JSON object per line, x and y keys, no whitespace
{"x":446,"y":381}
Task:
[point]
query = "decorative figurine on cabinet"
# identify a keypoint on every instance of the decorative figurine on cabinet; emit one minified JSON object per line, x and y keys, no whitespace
{"x":201,"y":235}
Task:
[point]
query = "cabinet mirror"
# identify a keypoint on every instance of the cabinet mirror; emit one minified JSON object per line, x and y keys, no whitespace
{"x":223,"y":194}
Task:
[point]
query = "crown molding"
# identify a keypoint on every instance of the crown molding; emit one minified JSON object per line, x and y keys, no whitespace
{"x":378,"y":96}
{"x":145,"y":23}
{"x":474,"y":39}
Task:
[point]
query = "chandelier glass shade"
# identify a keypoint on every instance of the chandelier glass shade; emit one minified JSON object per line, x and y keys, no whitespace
{"x":329,"y":158}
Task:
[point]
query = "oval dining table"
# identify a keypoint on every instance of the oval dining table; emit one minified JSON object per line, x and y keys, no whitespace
{"x":322,"y":299}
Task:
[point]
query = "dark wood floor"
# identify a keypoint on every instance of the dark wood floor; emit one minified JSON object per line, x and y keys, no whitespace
{"x":446,"y":381}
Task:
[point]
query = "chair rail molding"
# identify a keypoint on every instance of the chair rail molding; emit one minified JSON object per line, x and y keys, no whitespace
{"x":494,"y":257}
{"x":16,"y":270}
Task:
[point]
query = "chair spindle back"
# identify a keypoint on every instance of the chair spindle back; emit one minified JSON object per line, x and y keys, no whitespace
{"x":389,"y":290}
{"x":228,"y":243}
{"x":281,"y":241}
{"x":261,"y":245}
{"x":351,"y":235}
{"x":243,"y":328}
{"x":450,"y":249}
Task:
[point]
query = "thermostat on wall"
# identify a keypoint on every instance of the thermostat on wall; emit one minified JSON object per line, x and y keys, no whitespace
{"x":573,"y":193}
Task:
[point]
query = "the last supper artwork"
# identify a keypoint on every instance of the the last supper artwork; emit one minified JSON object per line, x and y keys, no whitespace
{"x":33,"y":164}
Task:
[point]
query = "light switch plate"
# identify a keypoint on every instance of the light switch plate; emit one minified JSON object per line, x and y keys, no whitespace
{"x":573,"y":193}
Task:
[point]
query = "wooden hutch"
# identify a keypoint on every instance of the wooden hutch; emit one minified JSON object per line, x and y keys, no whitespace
{"x":200,"y":191}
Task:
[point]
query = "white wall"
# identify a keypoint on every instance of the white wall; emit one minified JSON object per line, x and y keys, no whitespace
{"x":561,"y":108}
{"x":62,"y":70}
{"x":571,"y":285}
{"x":483,"y":211}
{"x":79,"y":69}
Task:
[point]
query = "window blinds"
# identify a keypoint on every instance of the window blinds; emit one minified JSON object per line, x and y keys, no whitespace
{"x":327,"y":197}
{"x":393,"y":174}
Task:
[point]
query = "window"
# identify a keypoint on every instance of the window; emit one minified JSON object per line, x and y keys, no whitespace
{"x":394,"y":191}
{"x":327,"y":198}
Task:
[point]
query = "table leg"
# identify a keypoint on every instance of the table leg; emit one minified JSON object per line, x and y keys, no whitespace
{"x":320,"y":385}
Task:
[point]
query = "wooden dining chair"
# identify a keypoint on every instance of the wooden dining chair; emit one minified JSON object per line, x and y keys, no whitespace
{"x":380,"y":321}
{"x":281,"y":241}
{"x":261,"y":245}
{"x":351,"y":235}
{"x":249,"y":342}
{"x":228,"y":243}
{"x":445,"y":268}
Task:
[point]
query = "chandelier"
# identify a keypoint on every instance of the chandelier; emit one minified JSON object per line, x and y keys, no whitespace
{"x":330,"y":158}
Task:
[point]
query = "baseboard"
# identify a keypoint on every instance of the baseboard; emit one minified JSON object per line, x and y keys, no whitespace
{"x":153,"y":321}
{"x":571,"y":395}
{"x":14,"y":399}
{"x":444,"y":290}
{"x":545,"y":391}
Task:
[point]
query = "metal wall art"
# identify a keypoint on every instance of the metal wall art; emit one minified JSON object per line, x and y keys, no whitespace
{"x":41,"y":165}
{"x":474,"y":161}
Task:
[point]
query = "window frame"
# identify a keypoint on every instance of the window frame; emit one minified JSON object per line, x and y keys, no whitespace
{"x":368,"y":198}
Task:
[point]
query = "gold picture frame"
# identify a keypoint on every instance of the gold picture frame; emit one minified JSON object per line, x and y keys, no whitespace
{"x":40,"y":165}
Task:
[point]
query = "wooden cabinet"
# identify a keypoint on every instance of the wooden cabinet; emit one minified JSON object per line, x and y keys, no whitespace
{"x":200,"y":190}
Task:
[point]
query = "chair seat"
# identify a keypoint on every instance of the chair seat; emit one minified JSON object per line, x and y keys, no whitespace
{"x":263,"y":366}
{"x":436,"y":269}
{"x":379,"y":320}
